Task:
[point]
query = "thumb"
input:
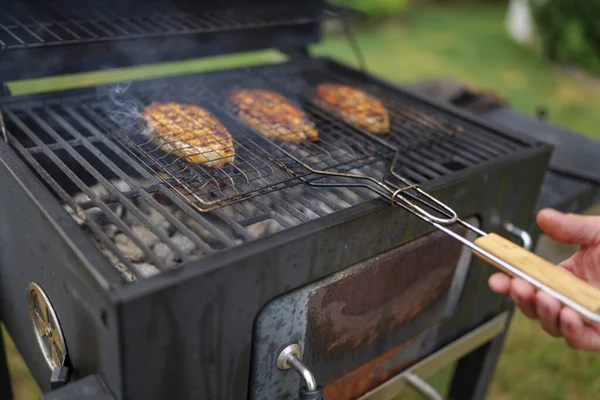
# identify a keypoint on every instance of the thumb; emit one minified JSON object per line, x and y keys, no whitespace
{"x":570,"y":228}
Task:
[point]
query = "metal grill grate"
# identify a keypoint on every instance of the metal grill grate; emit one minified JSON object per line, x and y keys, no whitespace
{"x":411,"y":125}
{"x":55,"y":23}
{"x":143,"y":227}
{"x":260,"y":165}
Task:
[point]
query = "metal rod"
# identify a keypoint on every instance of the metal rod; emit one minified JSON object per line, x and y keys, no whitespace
{"x":515,"y":271}
{"x":422,"y":386}
{"x":309,"y":380}
{"x":41,"y":25}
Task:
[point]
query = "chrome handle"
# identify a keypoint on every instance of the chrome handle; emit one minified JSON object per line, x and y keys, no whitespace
{"x":422,"y":386}
{"x":290,"y":358}
{"x":525,"y":237}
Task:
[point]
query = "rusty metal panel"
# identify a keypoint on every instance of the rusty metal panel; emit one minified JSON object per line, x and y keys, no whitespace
{"x":369,"y":375}
{"x":354,"y":324}
{"x":364,"y":324}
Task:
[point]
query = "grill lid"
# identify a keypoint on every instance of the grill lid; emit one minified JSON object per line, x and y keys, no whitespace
{"x":39,"y":39}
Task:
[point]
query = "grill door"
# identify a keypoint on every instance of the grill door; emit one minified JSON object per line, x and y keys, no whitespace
{"x":363,"y":325}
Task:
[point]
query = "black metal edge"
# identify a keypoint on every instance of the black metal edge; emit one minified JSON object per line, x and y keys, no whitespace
{"x":89,"y":388}
{"x":445,"y":107}
{"x":50,"y":61}
{"x":95,"y":264}
{"x":304,"y":231}
{"x":37,"y":248}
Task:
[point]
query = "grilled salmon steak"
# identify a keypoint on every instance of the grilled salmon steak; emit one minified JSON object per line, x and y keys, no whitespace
{"x":354,"y":106}
{"x":190,"y":132}
{"x":273,"y":116}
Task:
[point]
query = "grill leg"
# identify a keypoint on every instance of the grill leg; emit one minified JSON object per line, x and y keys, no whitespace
{"x":474,"y":372}
{"x":5,"y":386}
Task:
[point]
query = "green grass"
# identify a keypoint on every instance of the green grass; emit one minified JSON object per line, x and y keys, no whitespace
{"x":468,"y":44}
{"x":23,"y":385}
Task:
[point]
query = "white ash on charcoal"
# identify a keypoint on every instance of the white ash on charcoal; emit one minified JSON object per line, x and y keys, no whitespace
{"x":184,"y":243}
{"x":98,"y":189}
{"x":203,"y":231}
{"x":121,"y":186}
{"x":100,"y":217}
{"x":159,"y":220}
{"x":145,"y":269}
{"x":151,"y":216}
{"x":165,"y":253}
{"x":112,"y":258}
{"x":264,"y":228}
{"x":128,"y":248}
{"x":145,"y":235}
{"x":125,"y":272}
{"x":73,"y":214}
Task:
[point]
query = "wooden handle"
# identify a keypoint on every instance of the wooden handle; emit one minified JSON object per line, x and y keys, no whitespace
{"x":543,"y":271}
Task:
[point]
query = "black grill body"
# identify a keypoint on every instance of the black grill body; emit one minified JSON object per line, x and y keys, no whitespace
{"x":211,"y":327}
{"x":155,"y":338}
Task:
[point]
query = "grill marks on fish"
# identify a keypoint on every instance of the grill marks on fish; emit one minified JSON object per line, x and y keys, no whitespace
{"x":354,"y":106}
{"x":191,"y":133}
{"x":273,"y":116}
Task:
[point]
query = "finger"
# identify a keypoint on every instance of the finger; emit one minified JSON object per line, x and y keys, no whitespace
{"x":576,"y":333}
{"x":569,"y":228}
{"x":548,"y":311}
{"x":500,"y":283}
{"x":570,"y":263}
{"x":523,"y":294}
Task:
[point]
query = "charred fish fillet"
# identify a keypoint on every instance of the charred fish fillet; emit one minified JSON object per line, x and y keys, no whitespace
{"x":354,"y":106}
{"x":273,"y":116}
{"x":191,"y":133}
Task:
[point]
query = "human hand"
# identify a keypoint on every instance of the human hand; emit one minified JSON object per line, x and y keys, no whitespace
{"x":556,"y":320}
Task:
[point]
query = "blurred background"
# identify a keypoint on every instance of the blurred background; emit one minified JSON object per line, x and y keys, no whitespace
{"x":531,"y":53}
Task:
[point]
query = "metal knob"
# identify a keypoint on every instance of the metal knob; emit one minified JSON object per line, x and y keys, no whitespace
{"x":289,"y":358}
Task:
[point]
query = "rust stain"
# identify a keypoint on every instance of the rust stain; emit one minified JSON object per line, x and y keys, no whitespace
{"x":380,"y":294}
{"x":368,"y":376}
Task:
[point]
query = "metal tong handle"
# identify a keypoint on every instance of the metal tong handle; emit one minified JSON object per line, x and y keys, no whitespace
{"x":543,"y":275}
{"x":452,"y":216}
{"x":571,"y":291}
{"x":544,"y":272}
{"x":520,"y":262}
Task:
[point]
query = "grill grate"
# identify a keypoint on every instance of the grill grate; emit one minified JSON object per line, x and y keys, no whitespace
{"x":260,"y":166}
{"x":55,"y":23}
{"x":411,"y":125}
{"x":143,"y":227}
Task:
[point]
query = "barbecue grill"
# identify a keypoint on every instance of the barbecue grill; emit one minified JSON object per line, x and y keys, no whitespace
{"x":294,"y":272}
